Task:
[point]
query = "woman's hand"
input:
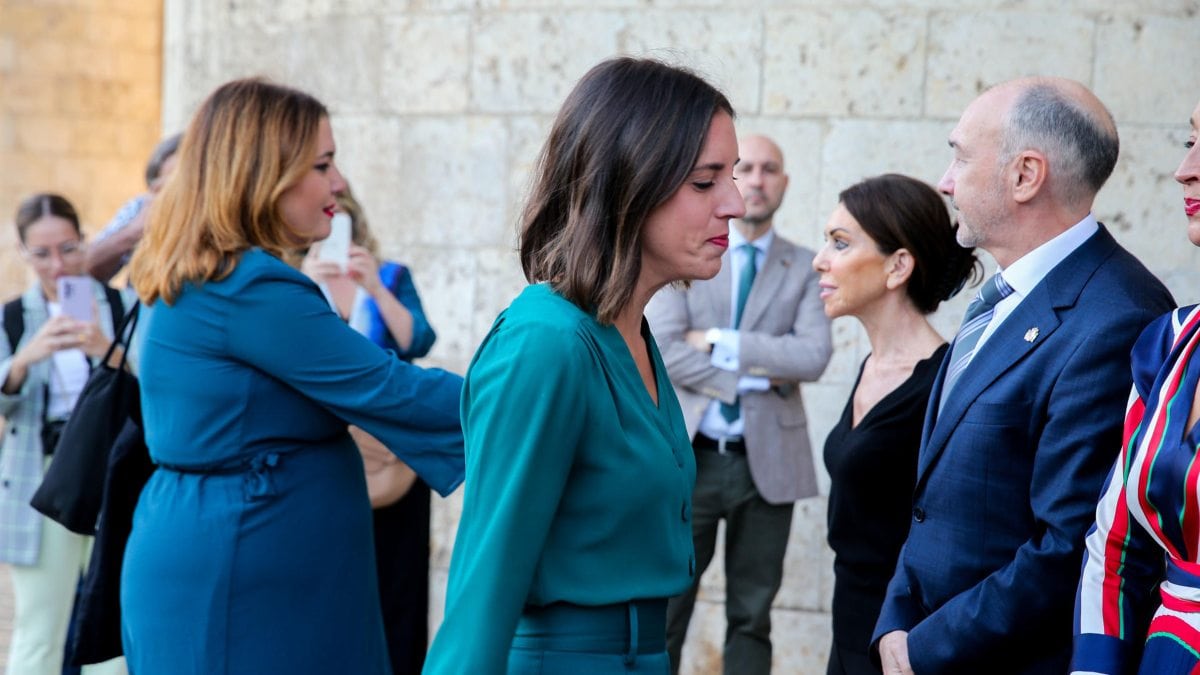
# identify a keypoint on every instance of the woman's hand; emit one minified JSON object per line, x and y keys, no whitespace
{"x":319,"y":270}
{"x":59,"y":333}
{"x":363,"y":268}
{"x":93,"y":341}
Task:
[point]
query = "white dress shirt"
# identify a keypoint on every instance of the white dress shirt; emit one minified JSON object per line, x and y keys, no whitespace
{"x":727,"y":346}
{"x":1029,"y":270}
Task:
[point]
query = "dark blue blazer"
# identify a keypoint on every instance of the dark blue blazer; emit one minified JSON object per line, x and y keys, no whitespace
{"x":1009,"y":473}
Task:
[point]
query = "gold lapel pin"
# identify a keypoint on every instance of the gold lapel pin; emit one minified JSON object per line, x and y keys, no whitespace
{"x":1031,"y":334}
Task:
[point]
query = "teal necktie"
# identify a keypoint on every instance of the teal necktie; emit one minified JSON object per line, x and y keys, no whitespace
{"x":745,"y":280}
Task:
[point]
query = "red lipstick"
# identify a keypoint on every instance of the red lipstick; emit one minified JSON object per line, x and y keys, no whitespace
{"x":722,"y":241}
{"x":1191,"y":206}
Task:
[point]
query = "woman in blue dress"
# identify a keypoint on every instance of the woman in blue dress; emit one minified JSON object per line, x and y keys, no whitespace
{"x":576,"y":515}
{"x":251,"y":543}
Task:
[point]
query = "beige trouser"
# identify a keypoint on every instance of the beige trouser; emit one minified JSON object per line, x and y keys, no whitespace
{"x":44,"y":594}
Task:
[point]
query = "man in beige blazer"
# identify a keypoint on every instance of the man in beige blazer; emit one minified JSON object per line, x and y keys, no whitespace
{"x":737,"y":347}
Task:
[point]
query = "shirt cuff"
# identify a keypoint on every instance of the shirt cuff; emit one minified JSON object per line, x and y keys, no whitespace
{"x":747,"y":383}
{"x":725,"y":349}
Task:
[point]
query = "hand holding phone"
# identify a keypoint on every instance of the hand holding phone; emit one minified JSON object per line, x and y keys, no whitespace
{"x":76,"y":298}
{"x":336,"y":247}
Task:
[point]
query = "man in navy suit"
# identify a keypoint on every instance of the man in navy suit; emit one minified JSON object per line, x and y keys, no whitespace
{"x":1025,"y":419}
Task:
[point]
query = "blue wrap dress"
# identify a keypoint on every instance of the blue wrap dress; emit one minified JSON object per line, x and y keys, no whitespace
{"x":251,"y":549}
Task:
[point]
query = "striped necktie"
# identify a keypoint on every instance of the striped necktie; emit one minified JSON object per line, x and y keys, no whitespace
{"x":745,"y":280}
{"x":977,"y":318}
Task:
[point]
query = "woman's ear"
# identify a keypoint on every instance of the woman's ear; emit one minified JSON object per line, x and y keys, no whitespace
{"x":899,"y":268}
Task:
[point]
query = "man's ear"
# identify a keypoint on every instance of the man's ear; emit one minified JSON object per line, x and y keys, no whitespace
{"x":1030,"y":170}
{"x":899,"y":268}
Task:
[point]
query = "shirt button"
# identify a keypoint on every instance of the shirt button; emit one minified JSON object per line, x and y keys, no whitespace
{"x":918,"y":514}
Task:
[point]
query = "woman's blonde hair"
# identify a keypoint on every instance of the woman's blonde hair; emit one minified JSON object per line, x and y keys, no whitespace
{"x":247,"y":144}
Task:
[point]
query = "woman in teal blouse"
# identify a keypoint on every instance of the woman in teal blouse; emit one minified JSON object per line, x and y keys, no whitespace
{"x":575,"y":525}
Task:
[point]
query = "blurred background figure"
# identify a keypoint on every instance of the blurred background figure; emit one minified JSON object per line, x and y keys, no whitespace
{"x":379,"y":300}
{"x":251,"y":549}
{"x":111,"y":248}
{"x":576,"y":513}
{"x":890,"y":258}
{"x":45,"y":359}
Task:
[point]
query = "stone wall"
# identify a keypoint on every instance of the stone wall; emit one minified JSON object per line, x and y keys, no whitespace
{"x":439,"y":107}
{"x":79,"y":108}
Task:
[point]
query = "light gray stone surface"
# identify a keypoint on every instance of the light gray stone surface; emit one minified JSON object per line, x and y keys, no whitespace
{"x":441,"y":106}
{"x":971,"y":50}
{"x":820,"y":63}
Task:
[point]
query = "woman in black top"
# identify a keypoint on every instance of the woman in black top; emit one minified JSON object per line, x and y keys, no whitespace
{"x":890,"y":257}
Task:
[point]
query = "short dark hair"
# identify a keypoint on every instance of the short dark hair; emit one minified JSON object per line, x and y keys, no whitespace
{"x":899,"y":212}
{"x":162,"y":152}
{"x":625,"y":140}
{"x":35,"y":207}
{"x":1081,"y":149}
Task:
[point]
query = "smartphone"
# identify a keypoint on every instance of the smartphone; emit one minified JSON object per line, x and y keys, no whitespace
{"x":76,"y":298}
{"x":336,"y":247}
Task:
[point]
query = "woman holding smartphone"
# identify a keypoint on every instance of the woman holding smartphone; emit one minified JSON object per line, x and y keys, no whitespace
{"x":45,"y":358}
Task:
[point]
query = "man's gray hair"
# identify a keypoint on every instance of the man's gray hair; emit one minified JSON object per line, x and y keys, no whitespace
{"x":1081,"y":149}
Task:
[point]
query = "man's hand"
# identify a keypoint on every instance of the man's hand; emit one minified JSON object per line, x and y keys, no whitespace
{"x":893,"y":653}
{"x":696,"y":339}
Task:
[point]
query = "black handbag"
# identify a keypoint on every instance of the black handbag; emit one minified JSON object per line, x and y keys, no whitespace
{"x":96,"y":622}
{"x":72,"y":489}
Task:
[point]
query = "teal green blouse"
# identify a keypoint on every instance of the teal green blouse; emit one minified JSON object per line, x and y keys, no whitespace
{"x":578,"y":487}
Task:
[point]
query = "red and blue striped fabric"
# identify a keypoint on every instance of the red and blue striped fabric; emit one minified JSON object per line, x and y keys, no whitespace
{"x":1147,"y":530}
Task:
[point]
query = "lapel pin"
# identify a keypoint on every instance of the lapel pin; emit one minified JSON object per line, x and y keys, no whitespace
{"x":1031,"y":334}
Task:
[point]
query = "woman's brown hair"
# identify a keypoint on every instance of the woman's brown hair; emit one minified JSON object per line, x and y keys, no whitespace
{"x":35,"y":207}
{"x":899,"y":212}
{"x":625,"y":139}
{"x":247,"y":144}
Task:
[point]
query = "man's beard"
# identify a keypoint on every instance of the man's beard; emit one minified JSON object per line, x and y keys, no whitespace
{"x":758,"y":220}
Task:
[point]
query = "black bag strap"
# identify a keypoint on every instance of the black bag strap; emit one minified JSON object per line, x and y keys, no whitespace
{"x":14,"y":322}
{"x":124,"y":335}
{"x":116,"y":306}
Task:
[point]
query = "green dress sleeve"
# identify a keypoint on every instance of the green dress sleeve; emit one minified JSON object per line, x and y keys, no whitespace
{"x":524,"y":412}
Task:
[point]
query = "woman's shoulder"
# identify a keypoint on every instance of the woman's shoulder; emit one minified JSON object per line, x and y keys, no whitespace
{"x":542,"y":320}
{"x":540,"y":306}
{"x":256,"y":265}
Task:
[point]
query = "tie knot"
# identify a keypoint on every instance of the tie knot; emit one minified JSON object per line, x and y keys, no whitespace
{"x":995,"y":290}
{"x":748,"y":250}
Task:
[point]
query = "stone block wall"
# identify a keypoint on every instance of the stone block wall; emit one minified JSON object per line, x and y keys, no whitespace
{"x":439,"y":108}
{"x":80,"y":101}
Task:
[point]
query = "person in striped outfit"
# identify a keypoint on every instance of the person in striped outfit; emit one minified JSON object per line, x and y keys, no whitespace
{"x":1147,"y":530}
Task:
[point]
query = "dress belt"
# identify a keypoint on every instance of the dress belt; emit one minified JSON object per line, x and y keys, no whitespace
{"x":257,"y":471}
{"x":629,"y":628}
{"x":1181,"y":589}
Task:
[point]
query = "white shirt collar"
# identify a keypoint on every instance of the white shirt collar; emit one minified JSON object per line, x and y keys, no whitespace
{"x":763,"y":243}
{"x":1029,"y":270}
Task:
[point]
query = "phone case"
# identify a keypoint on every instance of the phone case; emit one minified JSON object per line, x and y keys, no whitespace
{"x":75,"y":298}
{"x":336,"y":247}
